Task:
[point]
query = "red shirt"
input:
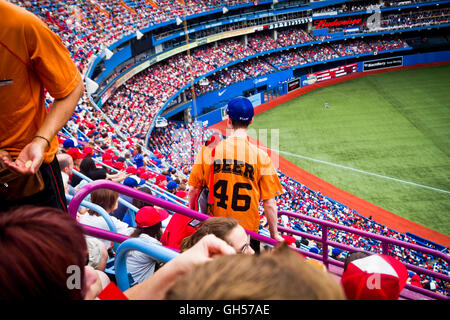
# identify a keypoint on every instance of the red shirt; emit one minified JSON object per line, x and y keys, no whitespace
{"x":179,"y":227}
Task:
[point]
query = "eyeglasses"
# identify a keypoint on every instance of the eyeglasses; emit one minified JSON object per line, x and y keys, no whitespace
{"x":244,"y":249}
{"x":246,"y":246}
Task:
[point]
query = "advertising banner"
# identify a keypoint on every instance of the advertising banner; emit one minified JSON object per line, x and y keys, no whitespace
{"x":330,"y":74}
{"x":382,"y":63}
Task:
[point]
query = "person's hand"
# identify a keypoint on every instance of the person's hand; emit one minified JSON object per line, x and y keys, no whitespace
{"x":156,"y":286}
{"x":29,"y":159}
{"x":203,"y":251}
{"x":278,"y":237}
{"x":93,"y":283}
{"x":4,"y":154}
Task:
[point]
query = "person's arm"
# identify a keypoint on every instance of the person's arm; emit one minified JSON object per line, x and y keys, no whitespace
{"x":271,"y":212}
{"x":192,"y":196}
{"x":155,"y":287}
{"x":57,"y":116}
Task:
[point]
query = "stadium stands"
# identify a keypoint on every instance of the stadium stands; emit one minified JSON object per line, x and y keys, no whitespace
{"x":86,"y":28}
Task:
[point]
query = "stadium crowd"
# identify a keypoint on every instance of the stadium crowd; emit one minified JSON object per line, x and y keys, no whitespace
{"x":98,"y":150}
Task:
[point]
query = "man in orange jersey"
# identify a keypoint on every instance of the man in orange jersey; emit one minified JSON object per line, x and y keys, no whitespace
{"x":243,"y":175}
{"x":32,"y":59}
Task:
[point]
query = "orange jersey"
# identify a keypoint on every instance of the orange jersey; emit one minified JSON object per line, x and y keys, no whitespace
{"x":32,"y":58}
{"x":243,"y":175}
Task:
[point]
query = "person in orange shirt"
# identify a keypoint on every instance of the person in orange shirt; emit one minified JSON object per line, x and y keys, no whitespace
{"x":32,"y":59}
{"x":243,"y":175}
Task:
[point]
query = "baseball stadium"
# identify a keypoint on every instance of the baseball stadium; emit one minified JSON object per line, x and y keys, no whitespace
{"x":350,"y":102}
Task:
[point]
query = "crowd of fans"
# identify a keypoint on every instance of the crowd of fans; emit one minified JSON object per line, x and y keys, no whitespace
{"x":88,"y":134}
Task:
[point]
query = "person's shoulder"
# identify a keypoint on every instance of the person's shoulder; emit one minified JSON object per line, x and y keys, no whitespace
{"x":18,"y":18}
{"x":146,"y":238}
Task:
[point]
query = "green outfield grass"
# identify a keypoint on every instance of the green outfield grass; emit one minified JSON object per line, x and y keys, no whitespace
{"x":395,"y":124}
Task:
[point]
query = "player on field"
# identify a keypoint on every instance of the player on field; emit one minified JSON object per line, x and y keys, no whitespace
{"x":243,"y":175}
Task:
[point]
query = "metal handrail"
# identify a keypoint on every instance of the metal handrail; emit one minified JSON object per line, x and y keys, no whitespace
{"x":154,"y":188}
{"x":157,"y":252}
{"x":385,"y":242}
{"x":100,"y":210}
{"x":83,"y":192}
{"x":133,"y":210}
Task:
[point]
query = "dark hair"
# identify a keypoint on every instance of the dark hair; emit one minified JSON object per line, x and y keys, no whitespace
{"x":105,"y":198}
{"x":239,"y":124}
{"x":139,"y":203}
{"x":153,"y":231}
{"x":97,"y":174}
{"x":87,"y":165}
{"x":37,"y":246}
{"x":355,"y":255}
{"x":218,"y":226}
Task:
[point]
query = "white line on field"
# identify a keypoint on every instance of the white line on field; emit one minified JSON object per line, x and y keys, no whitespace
{"x":361,"y":171}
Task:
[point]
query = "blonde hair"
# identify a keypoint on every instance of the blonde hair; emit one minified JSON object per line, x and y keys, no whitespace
{"x":280,"y":275}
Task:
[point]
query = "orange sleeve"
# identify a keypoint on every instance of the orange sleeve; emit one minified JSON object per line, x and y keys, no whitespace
{"x":51,"y":59}
{"x":269,"y":184}
{"x":197,"y":176}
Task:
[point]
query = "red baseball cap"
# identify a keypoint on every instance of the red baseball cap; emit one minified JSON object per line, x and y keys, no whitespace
{"x":140,"y":170}
{"x":149,"y":216}
{"x":119,"y":165}
{"x":88,"y":150}
{"x":145,"y":175}
{"x":376,"y":277}
{"x":75,"y":153}
{"x":160,"y":178}
{"x":106,"y":156}
{"x":289,"y":239}
{"x":181,"y":194}
{"x":131,"y":170}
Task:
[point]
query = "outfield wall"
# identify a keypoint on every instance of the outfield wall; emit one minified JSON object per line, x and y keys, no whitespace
{"x":220,"y":98}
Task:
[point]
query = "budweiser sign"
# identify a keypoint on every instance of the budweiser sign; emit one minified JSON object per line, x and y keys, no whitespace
{"x":320,"y":24}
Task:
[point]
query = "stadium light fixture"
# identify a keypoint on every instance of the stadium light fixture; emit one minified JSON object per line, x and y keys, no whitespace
{"x":139,"y":34}
{"x":91,"y":86}
{"x":108,"y":54}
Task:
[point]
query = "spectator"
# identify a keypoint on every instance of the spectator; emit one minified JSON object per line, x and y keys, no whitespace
{"x":149,"y":229}
{"x":30,"y":235}
{"x":108,"y":200}
{"x":281,"y":275}
{"x":257,"y":180}
{"x":138,"y":157}
{"x":28,"y":141}
{"x":355,"y":255}
{"x":66,"y":165}
{"x":98,"y":254}
{"x":87,"y":167}
{"x":376,"y":277}
{"x":225,"y":228}
{"x":172,"y":187}
{"x":134,"y":182}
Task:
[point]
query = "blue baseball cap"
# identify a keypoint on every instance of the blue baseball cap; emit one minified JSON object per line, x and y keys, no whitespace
{"x":240,"y":109}
{"x":133,"y":181}
{"x":172,"y":185}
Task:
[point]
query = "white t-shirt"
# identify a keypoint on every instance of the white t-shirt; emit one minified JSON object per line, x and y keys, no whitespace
{"x":141,"y":265}
{"x":99,"y":222}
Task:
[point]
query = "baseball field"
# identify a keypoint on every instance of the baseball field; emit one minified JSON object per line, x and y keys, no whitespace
{"x":384,"y":138}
